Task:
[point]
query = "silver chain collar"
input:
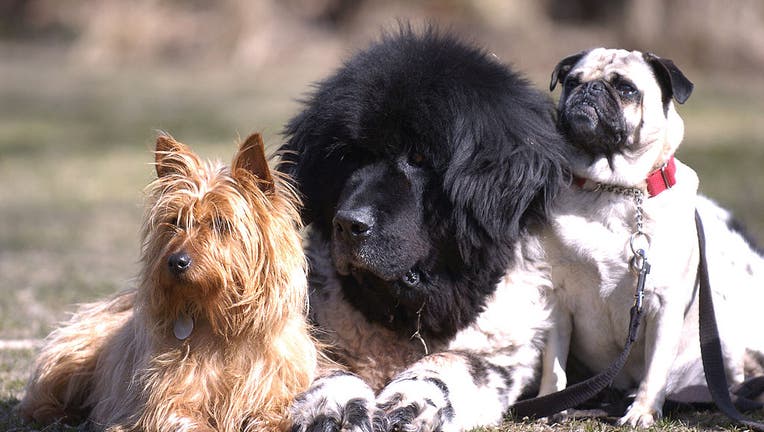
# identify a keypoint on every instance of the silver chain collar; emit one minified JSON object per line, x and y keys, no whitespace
{"x":638,"y":195}
{"x":638,"y":262}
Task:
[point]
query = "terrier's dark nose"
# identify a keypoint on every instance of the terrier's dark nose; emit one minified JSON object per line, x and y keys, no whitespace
{"x":179,"y":262}
{"x":353,"y":225}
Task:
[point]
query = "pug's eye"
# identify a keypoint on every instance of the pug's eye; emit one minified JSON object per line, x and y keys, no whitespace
{"x":571,"y":83}
{"x":626,"y":89}
{"x":417,"y":159}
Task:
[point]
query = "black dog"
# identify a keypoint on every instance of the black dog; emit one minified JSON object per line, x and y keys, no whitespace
{"x":425,"y":165}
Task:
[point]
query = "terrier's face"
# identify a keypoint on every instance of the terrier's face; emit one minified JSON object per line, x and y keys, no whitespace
{"x":219,"y":244}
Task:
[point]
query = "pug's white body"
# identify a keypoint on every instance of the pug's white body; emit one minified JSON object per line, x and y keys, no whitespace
{"x":588,"y":248}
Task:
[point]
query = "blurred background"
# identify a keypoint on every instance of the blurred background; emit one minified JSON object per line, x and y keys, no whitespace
{"x":85,"y":85}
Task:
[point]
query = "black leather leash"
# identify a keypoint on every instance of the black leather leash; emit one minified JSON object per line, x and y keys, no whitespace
{"x":710,"y":344}
{"x":547,"y":405}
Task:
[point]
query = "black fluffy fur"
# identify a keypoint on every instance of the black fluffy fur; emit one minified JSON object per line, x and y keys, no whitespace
{"x":487,"y":162}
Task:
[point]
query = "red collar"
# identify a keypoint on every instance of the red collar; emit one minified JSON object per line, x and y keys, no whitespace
{"x":657,"y":181}
{"x":661,"y":179}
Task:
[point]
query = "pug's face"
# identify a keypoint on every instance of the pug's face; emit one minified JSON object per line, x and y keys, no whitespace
{"x":616,"y":106}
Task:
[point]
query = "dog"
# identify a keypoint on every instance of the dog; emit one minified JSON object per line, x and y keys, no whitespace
{"x":425,"y":165}
{"x":632,"y":204}
{"x":215,"y":337}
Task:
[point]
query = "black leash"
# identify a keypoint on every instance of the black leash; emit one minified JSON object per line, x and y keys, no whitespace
{"x":544,"y":406}
{"x":710,"y":345}
{"x":579,"y":393}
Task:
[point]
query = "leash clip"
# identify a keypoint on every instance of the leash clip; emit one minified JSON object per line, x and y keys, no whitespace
{"x":639,"y":242}
{"x":642,"y":267}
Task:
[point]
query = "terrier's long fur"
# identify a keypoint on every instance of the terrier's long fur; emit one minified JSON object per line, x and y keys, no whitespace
{"x":222,"y":259}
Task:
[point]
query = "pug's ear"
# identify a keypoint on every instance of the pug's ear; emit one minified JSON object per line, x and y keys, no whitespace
{"x":672,"y":81}
{"x":563,"y":68}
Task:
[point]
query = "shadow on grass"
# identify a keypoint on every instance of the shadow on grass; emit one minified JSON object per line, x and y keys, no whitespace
{"x":10,"y":422}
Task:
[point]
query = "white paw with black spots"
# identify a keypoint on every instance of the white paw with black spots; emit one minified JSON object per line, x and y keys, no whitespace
{"x":340,"y":402}
{"x":415,"y":404}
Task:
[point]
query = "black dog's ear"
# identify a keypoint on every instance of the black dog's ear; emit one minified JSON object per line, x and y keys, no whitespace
{"x":503,"y":182}
{"x":563,"y":67}
{"x":298,"y":159}
{"x":672,"y":81}
{"x":310,"y":159}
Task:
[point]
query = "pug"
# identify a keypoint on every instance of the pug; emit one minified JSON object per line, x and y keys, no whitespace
{"x":630,"y":208}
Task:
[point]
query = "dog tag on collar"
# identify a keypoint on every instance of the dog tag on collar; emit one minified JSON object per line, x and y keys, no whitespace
{"x":182,"y":327}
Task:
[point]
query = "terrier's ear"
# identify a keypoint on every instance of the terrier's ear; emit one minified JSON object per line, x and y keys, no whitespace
{"x":251,"y":157}
{"x":166,"y":145}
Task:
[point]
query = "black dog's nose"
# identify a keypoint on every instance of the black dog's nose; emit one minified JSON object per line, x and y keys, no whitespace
{"x":179,"y":262}
{"x":353,"y":224}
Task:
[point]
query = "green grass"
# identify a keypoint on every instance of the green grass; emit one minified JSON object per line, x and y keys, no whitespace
{"x":74,"y":158}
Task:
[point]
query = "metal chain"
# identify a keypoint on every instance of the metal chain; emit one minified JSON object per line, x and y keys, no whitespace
{"x":638,"y":195}
{"x":638,"y":199}
{"x":638,"y":262}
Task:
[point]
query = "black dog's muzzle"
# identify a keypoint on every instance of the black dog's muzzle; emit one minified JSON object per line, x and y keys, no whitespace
{"x":353,"y":226}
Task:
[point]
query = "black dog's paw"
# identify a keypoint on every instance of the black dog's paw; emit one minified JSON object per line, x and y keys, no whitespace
{"x":352,"y":417}
{"x":340,"y":402}
{"x":413,"y":406}
{"x":412,"y":418}
{"x":403,"y":419}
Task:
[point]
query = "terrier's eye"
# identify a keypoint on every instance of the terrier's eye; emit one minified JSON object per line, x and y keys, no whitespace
{"x":221,"y":226}
{"x":175,"y":224}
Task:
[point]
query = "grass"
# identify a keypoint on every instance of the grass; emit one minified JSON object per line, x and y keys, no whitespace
{"x":74,"y":158}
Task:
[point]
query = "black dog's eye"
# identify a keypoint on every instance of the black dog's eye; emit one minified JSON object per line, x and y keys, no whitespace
{"x":417,"y":159}
{"x":626,"y":89}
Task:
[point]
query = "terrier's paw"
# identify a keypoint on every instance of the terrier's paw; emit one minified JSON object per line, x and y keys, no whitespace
{"x":414,"y":405}
{"x":640,"y":415}
{"x":339,"y":402}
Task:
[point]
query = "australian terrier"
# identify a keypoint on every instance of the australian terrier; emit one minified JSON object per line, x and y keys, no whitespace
{"x":215,"y":335}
